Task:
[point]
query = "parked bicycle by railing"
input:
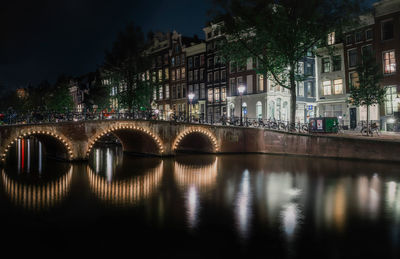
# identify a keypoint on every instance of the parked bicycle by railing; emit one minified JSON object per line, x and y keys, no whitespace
{"x":371,"y":130}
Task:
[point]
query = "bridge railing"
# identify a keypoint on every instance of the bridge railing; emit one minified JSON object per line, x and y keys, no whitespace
{"x":156,"y":115}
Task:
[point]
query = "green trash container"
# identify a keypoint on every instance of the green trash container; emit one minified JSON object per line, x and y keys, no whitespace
{"x":324,"y":124}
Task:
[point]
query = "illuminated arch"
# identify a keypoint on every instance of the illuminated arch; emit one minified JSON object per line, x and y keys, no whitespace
{"x":114,"y":128}
{"x":62,"y":139}
{"x":126,"y":192}
{"x":205,"y":132}
{"x":37,"y":197}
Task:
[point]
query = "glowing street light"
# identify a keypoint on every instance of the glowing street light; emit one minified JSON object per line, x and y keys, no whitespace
{"x":191,"y":97}
{"x":241,"y":89}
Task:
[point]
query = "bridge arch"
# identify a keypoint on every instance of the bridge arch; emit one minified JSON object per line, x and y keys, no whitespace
{"x":132,"y":137}
{"x":49,"y":138}
{"x":197,"y":139}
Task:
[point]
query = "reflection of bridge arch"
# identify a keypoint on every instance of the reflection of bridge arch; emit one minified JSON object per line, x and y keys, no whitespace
{"x":126,"y":192}
{"x":201,"y":176}
{"x":199,"y":136}
{"x":43,"y":135}
{"x":37,"y":197}
{"x":126,"y":134}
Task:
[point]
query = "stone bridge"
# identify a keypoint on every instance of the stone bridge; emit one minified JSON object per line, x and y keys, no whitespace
{"x":73,"y":141}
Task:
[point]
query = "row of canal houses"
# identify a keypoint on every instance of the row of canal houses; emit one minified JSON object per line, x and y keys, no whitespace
{"x":183,"y":65}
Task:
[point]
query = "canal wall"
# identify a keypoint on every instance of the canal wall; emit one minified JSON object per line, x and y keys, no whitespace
{"x":318,"y":145}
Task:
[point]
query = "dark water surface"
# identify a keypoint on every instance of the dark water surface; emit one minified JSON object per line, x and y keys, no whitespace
{"x":204,"y":206}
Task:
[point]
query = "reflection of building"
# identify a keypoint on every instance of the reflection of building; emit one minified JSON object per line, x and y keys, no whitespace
{"x":37,"y":196}
{"x":126,"y":192}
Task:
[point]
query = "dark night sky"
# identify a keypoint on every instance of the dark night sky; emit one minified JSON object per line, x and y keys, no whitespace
{"x":44,"y":38}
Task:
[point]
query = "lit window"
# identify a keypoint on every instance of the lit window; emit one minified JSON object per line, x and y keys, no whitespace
{"x":160,"y":92}
{"x":301,"y":88}
{"x":210,"y":95}
{"x":166,"y":91}
{"x":338,"y":85}
{"x":354,"y":82}
{"x":331,"y":38}
{"x":183,"y":72}
{"x":389,"y":62}
{"x":216,"y":94}
{"x":327,"y":87}
{"x":390,"y":100}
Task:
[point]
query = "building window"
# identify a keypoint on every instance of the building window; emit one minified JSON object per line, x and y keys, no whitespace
{"x":183,"y":72}
{"x":368,"y":34}
{"x":196,"y":91}
{"x":232,"y":85}
{"x":178,"y":91}
{"x":387,"y":30}
{"x":166,"y":91}
{"x":196,"y":75}
{"x":202,"y":59}
{"x":337,"y":63}
{"x":389,"y":62}
{"x":260,"y":83}
{"x":310,"y":89}
{"x":174,"y":92}
{"x":358,"y":37}
{"x":183,"y":59}
{"x":338,"y":86}
{"x":173,"y":61}
{"x":183,"y":90}
{"x":331,"y":38}
{"x":178,"y":60}
{"x":166,"y":73}
{"x":259,"y":110}
{"x":210,"y":62}
{"x":173,"y":75}
{"x":354,"y":82}
{"x":367,"y":50}
{"x":202,"y":91}
{"x":301,"y":88}
{"x":178,"y":74}
{"x":190,"y":62}
{"x":160,"y":92}
{"x":223,"y":94}
{"x":160,"y":75}
{"x":326,"y":65}
{"x":202,"y":74}
{"x":196,"y":61}
{"x":353,"y":57}
{"x":223,"y":75}
{"x":216,"y":76}
{"x":391,"y":105}
{"x":309,"y":71}
{"x":210,"y":95}
{"x":327,"y":87}
{"x":300,"y":68}
{"x":216,"y":94}
{"x":190,"y":76}
{"x":349,"y":39}
{"x":210,"y":77}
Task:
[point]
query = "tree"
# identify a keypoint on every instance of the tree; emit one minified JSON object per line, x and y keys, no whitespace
{"x":99,"y":92}
{"x":59,"y":98}
{"x":279,"y":33}
{"x":125,"y":64}
{"x":366,"y":89}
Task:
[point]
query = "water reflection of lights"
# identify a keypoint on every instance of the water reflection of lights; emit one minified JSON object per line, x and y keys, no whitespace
{"x":196,"y":178}
{"x":126,"y":192}
{"x":393,"y":200}
{"x":37,"y":196}
{"x":203,"y":177}
{"x":108,"y":159}
{"x":243,"y":205}
{"x":289,"y":216}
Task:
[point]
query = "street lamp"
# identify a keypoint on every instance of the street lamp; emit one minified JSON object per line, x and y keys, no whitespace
{"x":191,"y":97}
{"x":241,"y":89}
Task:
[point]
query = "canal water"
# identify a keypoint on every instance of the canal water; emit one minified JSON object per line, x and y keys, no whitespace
{"x":202,"y":206}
